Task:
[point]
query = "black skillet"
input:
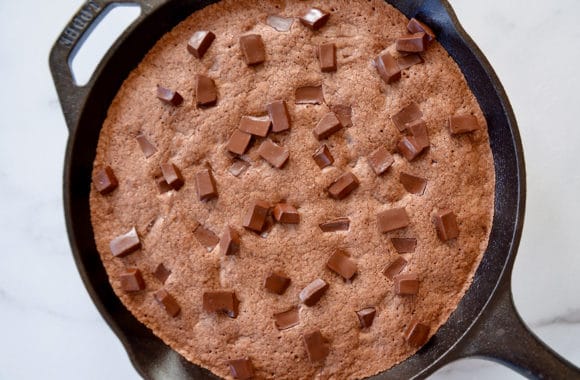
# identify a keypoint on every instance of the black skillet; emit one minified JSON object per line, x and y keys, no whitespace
{"x":485,"y":324}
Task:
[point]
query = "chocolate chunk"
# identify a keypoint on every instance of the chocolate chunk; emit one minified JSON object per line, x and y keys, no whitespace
{"x":162,"y":273}
{"x":316,"y":346}
{"x":253,"y":49}
{"x":418,"y":129}
{"x":413,"y":184}
{"x":416,"y":26}
{"x":366,"y":317}
{"x":162,"y":184}
{"x":343,"y":186}
{"x":328,"y":125}
{"x":327,"y":57}
{"x":393,"y":219}
{"x":206,"y":237}
{"x":200,"y":42}
{"x":406,"y":284}
{"x":125,"y":244}
{"x":281,"y":24}
{"x":205,"y":91}
{"x":414,"y":43}
{"x":380,"y":160}
{"x":230,"y":242}
{"x":344,"y":114}
{"x":169,"y":96}
{"x":275,"y":154}
{"x":239,"y":142}
{"x":407,"y":115}
{"x":241,"y":368}
{"x":341,"y":263}
{"x":276,"y":283}
{"x":416,"y":334}
{"x":409,"y":147}
{"x":167,"y":301}
{"x":463,"y":124}
{"x":286,"y":213}
{"x":446,"y":224}
{"x":395,"y":268}
{"x":404,"y":245}
{"x":388,"y":68}
{"x":287,"y":319}
{"x":172,"y":175}
{"x":221,"y":302}
{"x":313,"y":292}
{"x":309,"y":95}
{"x":205,"y":185}
{"x":238,"y":167}
{"x":257,"y":126}
{"x":339,"y":224}
{"x":279,"y":115}
{"x":323,"y":157}
{"x":132,"y":280}
{"x":145,"y":145}
{"x":255,"y":216}
{"x":315,"y":18}
{"x":105,"y":180}
{"x":406,"y":61}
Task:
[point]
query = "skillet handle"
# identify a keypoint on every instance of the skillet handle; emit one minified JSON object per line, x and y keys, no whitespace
{"x":501,"y":335}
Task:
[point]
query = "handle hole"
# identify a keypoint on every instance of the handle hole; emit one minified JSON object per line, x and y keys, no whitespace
{"x":109,"y":25}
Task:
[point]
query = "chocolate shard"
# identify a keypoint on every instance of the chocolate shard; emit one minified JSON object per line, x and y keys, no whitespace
{"x":205,"y":185}
{"x":147,"y":148}
{"x":205,"y":91}
{"x":406,"y":115}
{"x":255,"y":125}
{"x":105,"y":180}
{"x":200,"y":42}
{"x":287,"y":319}
{"x":221,"y":302}
{"x":238,"y":167}
{"x":309,"y":95}
{"x":239,"y":142}
{"x":315,"y":18}
{"x":316,"y":346}
{"x":131,"y":280}
{"x":273,"y":153}
{"x":279,"y":115}
{"x":206,"y":237}
{"x":408,"y":60}
{"x":446,"y":224}
{"x":388,"y":68}
{"x":413,"y":184}
{"x":380,"y":160}
{"x":277,"y":283}
{"x":241,"y":369}
{"x":230,"y":242}
{"x":406,"y":284}
{"x":338,"y":224}
{"x":280,"y":24}
{"x":167,"y":301}
{"x":286,"y":213}
{"x":328,"y":125}
{"x":341,"y":264}
{"x":395,"y":268}
{"x":410,"y":148}
{"x":343,"y":113}
{"x":253,"y":49}
{"x":343,"y":186}
{"x":416,"y":26}
{"x":414,"y":43}
{"x":313,"y":292}
{"x":366,"y":317}
{"x":162,"y":185}
{"x":323,"y":157}
{"x":169,"y":96}
{"x":459,"y":124}
{"x":393,"y":219}
{"x":418,"y":129}
{"x":172,"y":175}
{"x":162,"y":273}
{"x":255,"y":215}
{"x":404,"y":245}
{"x":416,"y":333}
{"x":327,"y":57}
{"x":125,"y":244}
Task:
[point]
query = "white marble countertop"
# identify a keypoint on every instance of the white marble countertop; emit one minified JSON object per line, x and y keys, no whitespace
{"x":49,"y":327}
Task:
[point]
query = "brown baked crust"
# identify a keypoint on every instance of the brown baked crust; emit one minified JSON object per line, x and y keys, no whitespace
{"x":459,"y":170}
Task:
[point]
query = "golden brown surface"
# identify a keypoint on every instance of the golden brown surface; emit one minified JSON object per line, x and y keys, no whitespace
{"x":459,"y":171}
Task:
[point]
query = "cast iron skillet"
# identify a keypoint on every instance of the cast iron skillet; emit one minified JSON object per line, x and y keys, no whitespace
{"x":485,"y":323}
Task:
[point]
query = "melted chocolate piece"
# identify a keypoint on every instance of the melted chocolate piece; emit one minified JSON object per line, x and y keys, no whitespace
{"x":241,"y":369}
{"x":162,"y":273}
{"x":315,"y":18}
{"x":255,"y":216}
{"x":167,"y":301}
{"x":286,"y":213}
{"x":388,"y":68}
{"x":341,"y":263}
{"x":206,"y":237}
{"x":339,"y":224}
{"x":221,"y":302}
{"x":281,"y":24}
{"x":147,"y":148}
{"x":327,"y":57}
{"x":257,"y":126}
{"x":406,"y":61}
{"x":230,"y":242}
{"x":200,"y":42}
{"x":446,"y":224}
{"x":125,"y":244}
{"x":459,"y":124}
{"x":253,"y":49}
{"x":169,"y":96}
{"x":344,"y":114}
{"x":416,"y":333}
{"x":327,"y":126}
{"x":172,"y":175}
{"x":407,"y":115}
{"x":205,"y":185}
{"x":205,"y":91}
{"x":323,"y":157}
{"x":131,"y":280}
{"x":414,"y":43}
{"x":343,"y":186}
{"x":276,"y":283}
{"x":313,"y":292}
{"x":316,"y":346}
{"x":404,"y":245}
{"x":309,"y":95}
{"x":239,"y":142}
{"x":393,"y":219}
{"x":366,"y":317}
{"x":413,"y":184}
{"x":416,"y":26}
{"x":275,"y":154}
{"x":105,"y":180}
{"x":406,"y":284}
{"x":287,"y":319}
{"x":380,"y":160}
{"x":279,"y":115}
{"x":395,"y":268}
